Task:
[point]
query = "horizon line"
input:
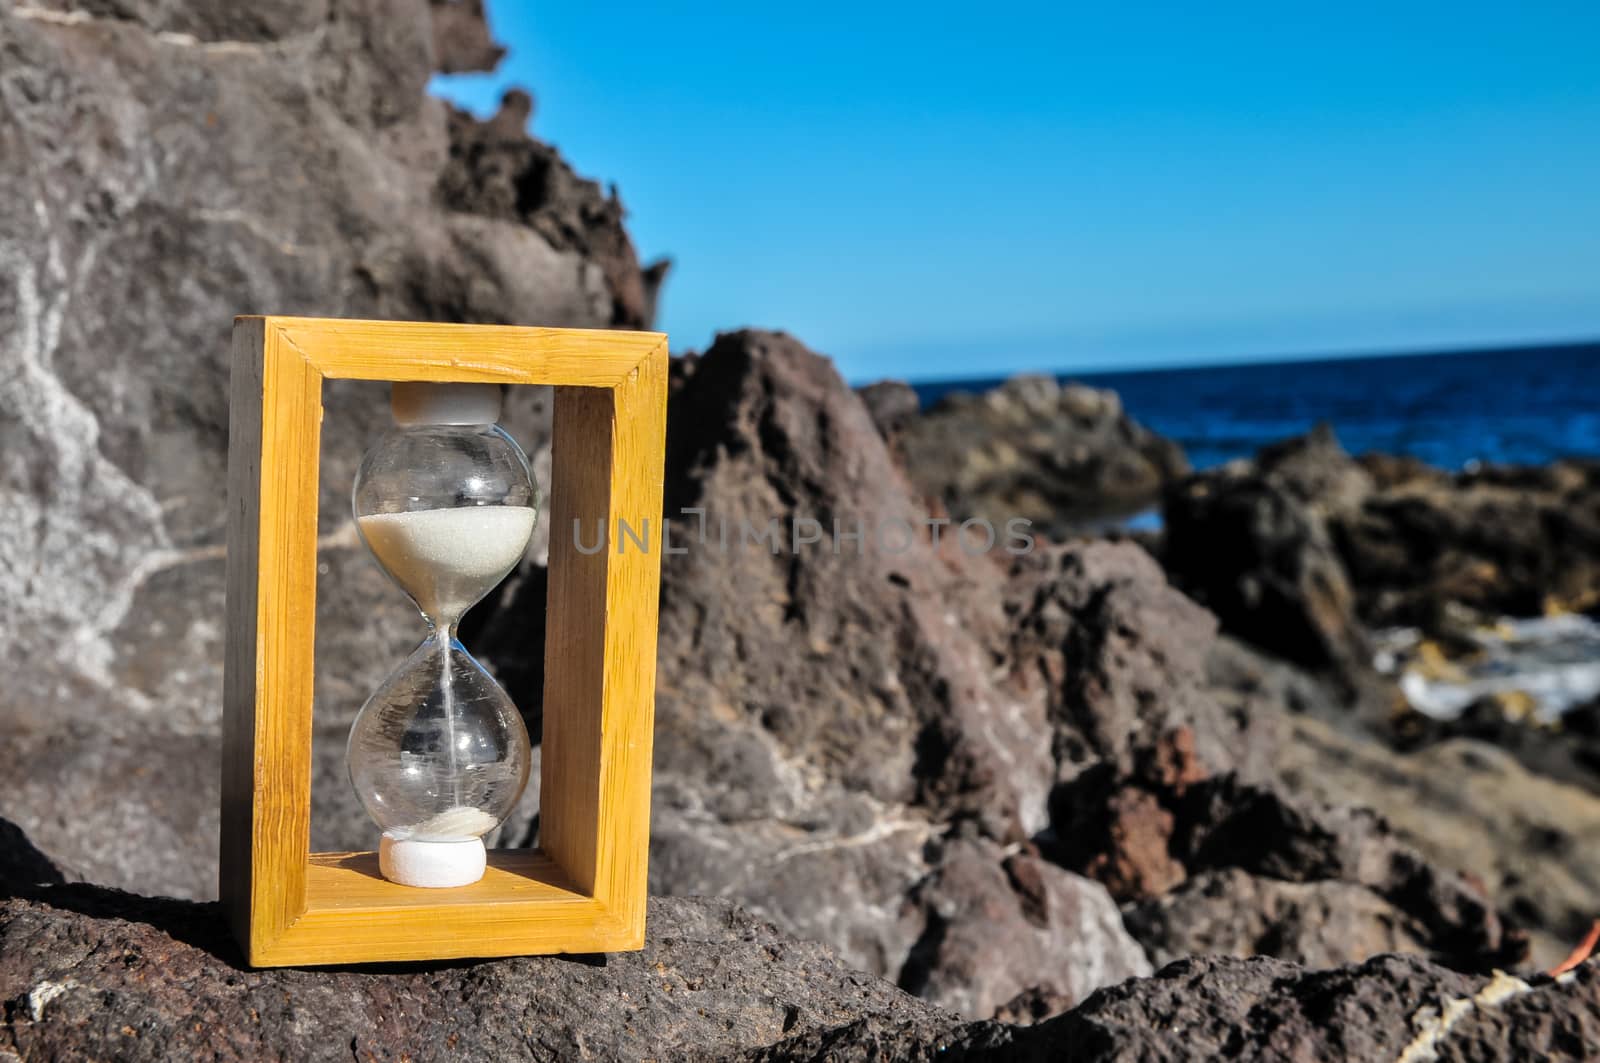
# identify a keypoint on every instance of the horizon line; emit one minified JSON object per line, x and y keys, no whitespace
{"x":1261,"y":361}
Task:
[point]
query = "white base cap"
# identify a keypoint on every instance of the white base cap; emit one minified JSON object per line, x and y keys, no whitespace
{"x":432,"y":865}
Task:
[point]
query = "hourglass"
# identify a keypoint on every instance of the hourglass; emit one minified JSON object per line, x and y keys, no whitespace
{"x":439,"y":755}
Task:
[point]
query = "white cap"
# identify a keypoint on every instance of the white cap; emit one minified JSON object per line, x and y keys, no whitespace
{"x":416,"y":402}
{"x":432,"y":865}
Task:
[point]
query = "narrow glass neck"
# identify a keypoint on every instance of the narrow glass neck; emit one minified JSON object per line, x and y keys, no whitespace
{"x":443,"y":629}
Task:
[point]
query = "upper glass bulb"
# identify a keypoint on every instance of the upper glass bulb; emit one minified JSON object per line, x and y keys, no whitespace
{"x":439,"y":755}
{"x":446,"y":508}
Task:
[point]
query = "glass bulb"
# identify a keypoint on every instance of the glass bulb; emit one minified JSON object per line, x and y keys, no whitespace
{"x":439,"y":754}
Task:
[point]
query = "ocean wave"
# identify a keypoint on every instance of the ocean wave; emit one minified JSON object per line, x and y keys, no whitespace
{"x":1555,"y":661}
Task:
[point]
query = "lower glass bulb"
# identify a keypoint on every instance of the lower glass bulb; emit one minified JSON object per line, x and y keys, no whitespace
{"x":438,"y":756}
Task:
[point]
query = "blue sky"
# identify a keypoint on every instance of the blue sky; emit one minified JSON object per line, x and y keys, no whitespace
{"x":929,"y":191}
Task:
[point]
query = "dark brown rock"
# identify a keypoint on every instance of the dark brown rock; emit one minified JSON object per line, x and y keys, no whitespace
{"x":462,"y":42}
{"x":893,"y":405}
{"x":497,"y":170}
{"x":1120,"y":658}
{"x":1266,"y":831}
{"x":1234,"y":913}
{"x":824,"y":718}
{"x":1298,"y":549}
{"x":869,"y":662}
{"x":1384,"y":1009}
{"x":1533,"y":842}
{"x":1000,"y":927}
{"x":1391,"y":1007}
{"x":1171,"y":814}
{"x":1065,"y":458}
{"x":1251,"y":543}
{"x":1134,"y":857}
{"x":1491,"y":542}
{"x":89,"y":973}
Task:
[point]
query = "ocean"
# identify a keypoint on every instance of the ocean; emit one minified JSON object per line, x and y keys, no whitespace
{"x":1522,"y":405}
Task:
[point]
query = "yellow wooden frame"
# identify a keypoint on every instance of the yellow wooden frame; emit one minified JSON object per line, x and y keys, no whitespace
{"x":584,"y":889}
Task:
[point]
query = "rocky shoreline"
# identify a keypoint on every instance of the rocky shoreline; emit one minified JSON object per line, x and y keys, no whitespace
{"x":90,"y":972}
{"x":1109,"y":795}
{"x":1346,"y":587}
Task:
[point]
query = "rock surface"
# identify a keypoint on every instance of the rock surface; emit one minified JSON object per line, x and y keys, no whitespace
{"x":462,"y":42}
{"x":1234,"y":913}
{"x":1534,"y":842}
{"x":1000,"y":926}
{"x":1301,"y":549}
{"x":88,"y":972}
{"x":1496,"y":541}
{"x":1251,"y":542}
{"x":830,"y":717}
{"x":1065,"y":458}
{"x":164,"y":167}
{"x":1392,"y":1007}
{"x":1334,"y":546}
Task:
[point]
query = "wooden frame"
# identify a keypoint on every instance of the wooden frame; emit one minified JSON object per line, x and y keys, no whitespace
{"x":584,"y":889}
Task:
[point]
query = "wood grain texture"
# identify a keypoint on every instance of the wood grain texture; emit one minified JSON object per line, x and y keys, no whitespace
{"x":632,"y":606}
{"x":351,"y":880}
{"x":508,"y":354}
{"x":576,"y":615}
{"x":286,"y":617}
{"x":586,"y":890}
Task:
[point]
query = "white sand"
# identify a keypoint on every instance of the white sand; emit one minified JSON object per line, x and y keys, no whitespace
{"x":460,"y":822}
{"x":447,"y":559}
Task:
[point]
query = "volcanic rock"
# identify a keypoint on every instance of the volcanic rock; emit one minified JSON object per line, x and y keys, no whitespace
{"x":497,"y":171}
{"x":1234,"y":913}
{"x":1268,"y":830}
{"x":893,"y":405}
{"x":1299,"y":549}
{"x":1120,"y":657}
{"x":829,"y":711}
{"x":1391,"y":1007}
{"x":1493,"y":541}
{"x":998,"y":927}
{"x":462,"y":42}
{"x":1065,"y":458}
{"x":90,"y":972}
{"x":1533,"y":842}
{"x":1250,"y":541}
